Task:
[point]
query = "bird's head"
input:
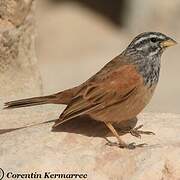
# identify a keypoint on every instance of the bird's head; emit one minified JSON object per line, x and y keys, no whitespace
{"x":151,"y":43}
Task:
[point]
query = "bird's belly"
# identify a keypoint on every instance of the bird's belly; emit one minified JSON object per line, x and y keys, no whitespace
{"x":127,"y":109}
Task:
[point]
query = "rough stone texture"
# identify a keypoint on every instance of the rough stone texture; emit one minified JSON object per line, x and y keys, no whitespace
{"x":15,"y":11}
{"x":78,"y":147}
{"x":19,"y":76}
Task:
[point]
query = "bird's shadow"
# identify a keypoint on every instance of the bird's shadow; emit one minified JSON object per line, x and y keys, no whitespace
{"x":83,"y":125}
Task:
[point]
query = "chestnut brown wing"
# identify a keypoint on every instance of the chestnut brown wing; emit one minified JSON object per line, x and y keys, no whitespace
{"x":115,"y":87}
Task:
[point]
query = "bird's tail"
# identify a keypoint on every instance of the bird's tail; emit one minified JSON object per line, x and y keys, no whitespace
{"x":29,"y":102}
{"x":63,"y":97}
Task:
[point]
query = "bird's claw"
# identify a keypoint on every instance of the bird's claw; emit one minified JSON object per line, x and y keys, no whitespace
{"x":134,"y":145}
{"x":137,"y":133}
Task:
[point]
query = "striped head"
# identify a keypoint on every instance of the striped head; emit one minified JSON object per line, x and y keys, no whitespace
{"x":151,"y":43}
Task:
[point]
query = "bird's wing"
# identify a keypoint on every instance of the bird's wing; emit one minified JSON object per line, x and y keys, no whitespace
{"x":115,"y":87}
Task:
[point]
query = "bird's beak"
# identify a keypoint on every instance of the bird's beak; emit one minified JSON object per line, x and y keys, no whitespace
{"x":168,"y":42}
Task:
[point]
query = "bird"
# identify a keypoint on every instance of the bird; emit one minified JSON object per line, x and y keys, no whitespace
{"x":116,"y":93}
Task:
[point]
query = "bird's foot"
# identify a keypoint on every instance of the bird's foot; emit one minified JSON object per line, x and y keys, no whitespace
{"x":134,"y":145}
{"x":124,"y":145}
{"x":137,"y":133}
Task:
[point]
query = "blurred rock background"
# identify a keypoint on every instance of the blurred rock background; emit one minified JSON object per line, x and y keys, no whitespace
{"x":77,"y":37}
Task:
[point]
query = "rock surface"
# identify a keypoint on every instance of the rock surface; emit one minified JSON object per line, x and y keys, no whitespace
{"x":79,"y":147}
{"x":19,"y":75}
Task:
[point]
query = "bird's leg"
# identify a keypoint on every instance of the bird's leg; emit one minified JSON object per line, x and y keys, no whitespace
{"x":137,"y":133}
{"x":120,"y":143}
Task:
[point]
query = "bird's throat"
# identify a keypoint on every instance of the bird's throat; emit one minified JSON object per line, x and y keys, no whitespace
{"x":150,"y":71}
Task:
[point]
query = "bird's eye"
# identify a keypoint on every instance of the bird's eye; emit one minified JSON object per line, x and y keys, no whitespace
{"x":153,"y":40}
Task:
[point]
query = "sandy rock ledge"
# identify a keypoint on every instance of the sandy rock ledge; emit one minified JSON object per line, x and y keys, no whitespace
{"x":79,"y":147}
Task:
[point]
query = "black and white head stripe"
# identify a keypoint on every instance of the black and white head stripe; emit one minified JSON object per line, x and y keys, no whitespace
{"x":146,"y":37}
